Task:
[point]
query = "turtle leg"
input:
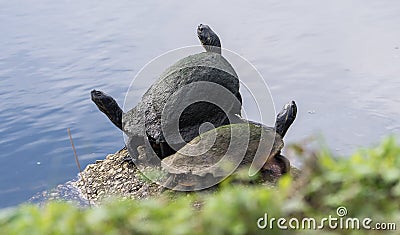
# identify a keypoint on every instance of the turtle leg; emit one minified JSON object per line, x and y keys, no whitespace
{"x":132,"y":145}
{"x":166,"y":150}
{"x":129,"y":159}
{"x":132,"y":157}
{"x":160,"y":148}
{"x":285,"y":118}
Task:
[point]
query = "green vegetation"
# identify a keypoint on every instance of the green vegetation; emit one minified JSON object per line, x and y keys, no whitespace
{"x":367,"y":184}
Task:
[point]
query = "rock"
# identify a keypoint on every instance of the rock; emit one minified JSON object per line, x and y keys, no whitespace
{"x":113,"y":177}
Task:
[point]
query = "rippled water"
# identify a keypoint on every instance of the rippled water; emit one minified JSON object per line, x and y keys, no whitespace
{"x":339,"y":60}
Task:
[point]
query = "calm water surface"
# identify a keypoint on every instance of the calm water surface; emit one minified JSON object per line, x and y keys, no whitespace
{"x":339,"y":60}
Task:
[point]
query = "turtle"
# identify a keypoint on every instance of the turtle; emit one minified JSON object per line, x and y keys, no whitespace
{"x":212,"y":156}
{"x":174,"y":108}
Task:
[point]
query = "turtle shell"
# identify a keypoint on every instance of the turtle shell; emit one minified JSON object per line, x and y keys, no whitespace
{"x":199,"y":88}
{"x":219,"y":152}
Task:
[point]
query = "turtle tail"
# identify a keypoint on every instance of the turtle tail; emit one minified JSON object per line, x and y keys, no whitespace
{"x":285,"y":118}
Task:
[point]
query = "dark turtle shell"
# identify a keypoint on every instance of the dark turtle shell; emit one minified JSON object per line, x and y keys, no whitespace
{"x":197,"y":89}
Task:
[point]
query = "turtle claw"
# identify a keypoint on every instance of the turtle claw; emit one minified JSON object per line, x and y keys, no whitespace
{"x":129,"y":160}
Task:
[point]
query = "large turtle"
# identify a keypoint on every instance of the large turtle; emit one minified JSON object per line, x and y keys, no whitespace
{"x":214,"y":155}
{"x":180,"y":101}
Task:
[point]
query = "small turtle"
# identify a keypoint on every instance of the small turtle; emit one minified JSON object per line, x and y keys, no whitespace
{"x":180,"y":101}
{"x":212,"y":156}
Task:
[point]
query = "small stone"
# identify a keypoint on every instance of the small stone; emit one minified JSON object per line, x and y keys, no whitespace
{"x":110,"y":156}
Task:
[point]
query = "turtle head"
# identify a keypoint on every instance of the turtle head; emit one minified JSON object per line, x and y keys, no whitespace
{"x":108,"y":106}
{"x":276,"y":167}
{"x":285,"y":118}
{"x":208,"y":39}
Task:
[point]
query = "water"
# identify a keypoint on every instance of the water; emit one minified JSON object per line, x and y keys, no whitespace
{"x":340,"y":61}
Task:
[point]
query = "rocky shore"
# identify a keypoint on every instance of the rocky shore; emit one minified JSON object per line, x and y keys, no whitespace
{"x":114,"y":177}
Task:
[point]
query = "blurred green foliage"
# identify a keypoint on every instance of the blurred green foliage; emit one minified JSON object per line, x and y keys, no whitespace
{"x":366,"y":183}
